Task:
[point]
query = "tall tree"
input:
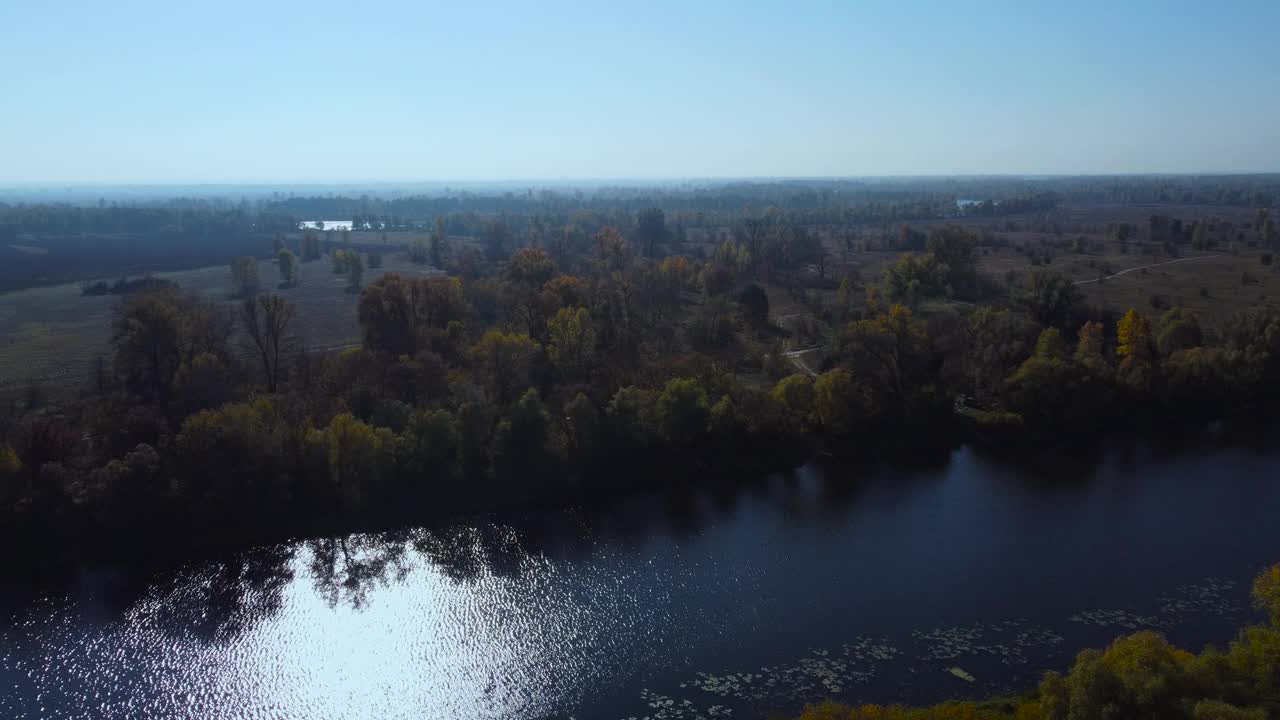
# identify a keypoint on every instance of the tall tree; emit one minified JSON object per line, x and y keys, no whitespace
{"x":266,"y":321}
{"x":439,"y":252}
{"x":288,"y":263}
{"x":651,"y":230}
{"x":355,"y":270}
{"x":244,"y":274}
{"x":310,"y":246}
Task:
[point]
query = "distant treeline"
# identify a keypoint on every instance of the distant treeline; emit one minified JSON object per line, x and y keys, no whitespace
{"x":45,"y":243}
{"x":126,"y":285}
{"x":42,"y":244}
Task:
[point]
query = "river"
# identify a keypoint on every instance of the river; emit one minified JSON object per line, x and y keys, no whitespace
{"x":860,"y":584}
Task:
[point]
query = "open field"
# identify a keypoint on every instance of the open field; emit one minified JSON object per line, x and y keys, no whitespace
{"x":52,"y":334}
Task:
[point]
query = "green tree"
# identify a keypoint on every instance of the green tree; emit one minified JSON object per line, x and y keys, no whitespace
{"x":1051,"y":298}
{"x":753,"y":303}
{"x":521,"y":450}
{"x":798,"y":399}
{"x":355,"y":270}
{"x":682,"y":412}
{"x":244,"y":275}
{"x":956,"y":249}
{"x":840,"y":405}
{"x":439,"y":250}
{"x":1177,"y":329}
{"x":651,"y":230}
{"x":631,"y":417}
{"x":203,"y":382}
{"x":429,"y":451}
{"x":310,"y":246}
{"x":288,"y":263}
{"x":233,"y":461}
{"x":148,"y":341}
{"x":890,"y":348}
{"x":914,"y":278}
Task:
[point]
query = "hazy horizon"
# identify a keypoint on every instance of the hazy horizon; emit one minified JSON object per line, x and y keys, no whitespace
{"x":147,"y":93}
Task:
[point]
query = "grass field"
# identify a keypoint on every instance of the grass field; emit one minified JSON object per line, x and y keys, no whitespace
{"x":52,"y":334}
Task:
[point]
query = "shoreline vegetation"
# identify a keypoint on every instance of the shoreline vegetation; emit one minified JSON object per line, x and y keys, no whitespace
{"x":569,"y":355}
{"x":1137,"y":676}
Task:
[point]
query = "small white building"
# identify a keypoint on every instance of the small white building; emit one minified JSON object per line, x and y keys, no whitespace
{"x":326,"y":225}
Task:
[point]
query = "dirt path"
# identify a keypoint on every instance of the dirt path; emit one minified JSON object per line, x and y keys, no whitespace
{"x":1142,"y":267}
{"x":794,"y":357}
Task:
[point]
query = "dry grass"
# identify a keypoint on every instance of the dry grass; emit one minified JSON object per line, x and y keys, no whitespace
{"x":52,"y":334}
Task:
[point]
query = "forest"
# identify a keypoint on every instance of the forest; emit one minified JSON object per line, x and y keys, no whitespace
{"x":1136,"y":676}
{"x":588,"y":349}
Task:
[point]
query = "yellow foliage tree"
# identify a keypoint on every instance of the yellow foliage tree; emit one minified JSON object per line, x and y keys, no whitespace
{"x":1134,"y":335}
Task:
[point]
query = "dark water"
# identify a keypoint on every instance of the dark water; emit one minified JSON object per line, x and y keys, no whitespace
{"x":857,"y":584}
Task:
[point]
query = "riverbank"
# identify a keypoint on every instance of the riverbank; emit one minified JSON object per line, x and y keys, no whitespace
{"x":171,"y":538}
{"x":1139,"y":675}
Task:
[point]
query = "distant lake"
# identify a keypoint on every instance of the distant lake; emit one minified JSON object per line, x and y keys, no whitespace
{"x":858,"y":584}
{"x":326,"y":225}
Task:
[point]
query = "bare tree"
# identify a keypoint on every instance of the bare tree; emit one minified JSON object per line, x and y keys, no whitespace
{"x":266,"y":320}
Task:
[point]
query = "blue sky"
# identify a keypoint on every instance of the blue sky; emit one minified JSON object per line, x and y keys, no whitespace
{"x":232,"y":91}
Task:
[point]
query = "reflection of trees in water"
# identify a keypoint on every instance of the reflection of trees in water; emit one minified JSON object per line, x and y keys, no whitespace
{"x":348,"y":570}
{"x":226,"y":597}
{"x":345,"y":569}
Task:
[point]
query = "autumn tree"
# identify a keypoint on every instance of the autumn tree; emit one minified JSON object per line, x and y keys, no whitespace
{"x":266,"y":322}
{"x":611,"y":250}
{"x":1266,"y":593}
{"x":1133,"y":335}
{"x":573,"y":341}
{"x":913,"y":278}
{"x":1135,"y":348}
{"x":505,"y":362}
{"x":359,"y":459}
{"x":155,"y":332}
{"x":889,"y":347}
{"x":393,"y":310}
